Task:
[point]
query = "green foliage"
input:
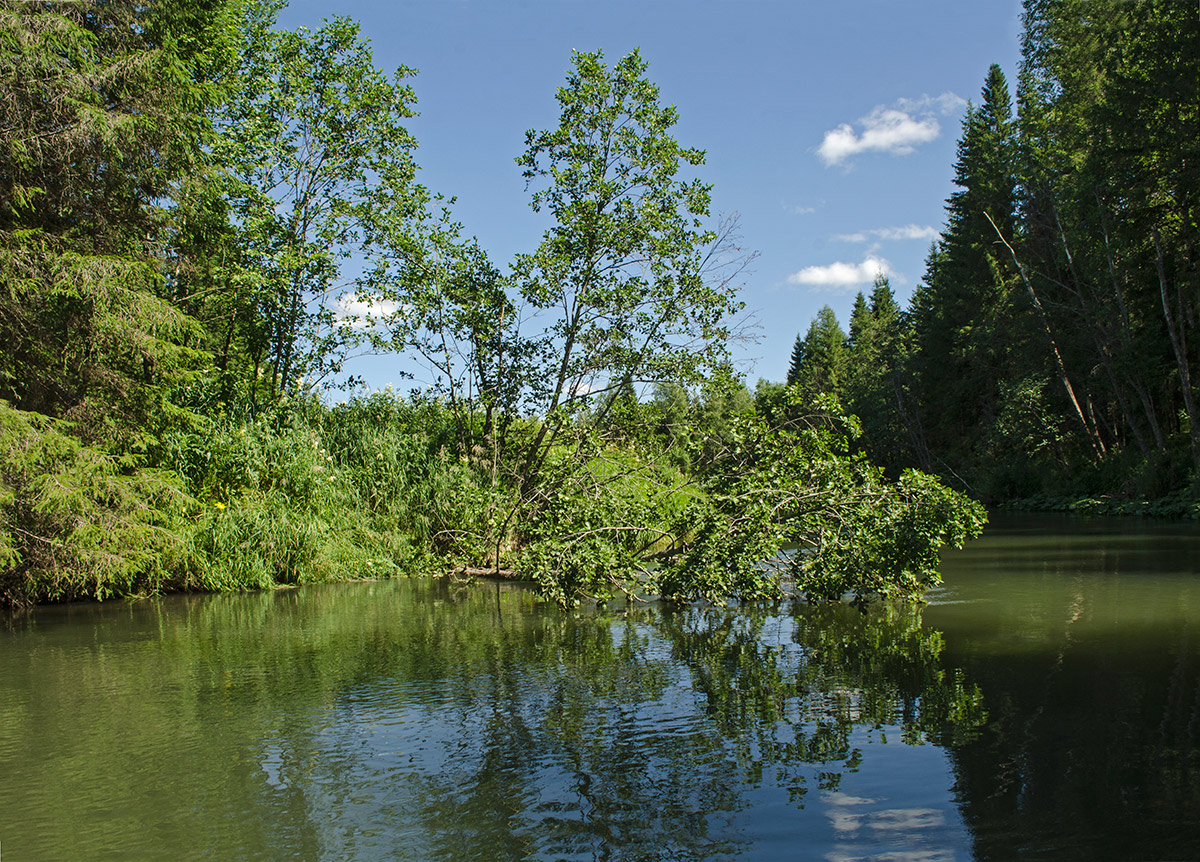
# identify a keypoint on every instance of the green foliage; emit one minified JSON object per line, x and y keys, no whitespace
{"x":185,"y":189}
{"x":963,"y":318}
{"x":1029,"y":440}
{"x":671,"y":406}
{"x":631,"y":289}
{"x":798,"y":486}
{"x":598,"y":533}
{"x":886,"y":540}
{"x":819,"y":361}
{"x":796,"y":365}
{"x":1109,"y":113}
{"x":317,"y":167}
{"x":102,"y":116}
{"x":1049,"y":351}
{"x":621,"y":271}
{"x":308,"y":492}
{"x":878,"y":383}
{"x":76,"y":521}
{"x":103,"y":119}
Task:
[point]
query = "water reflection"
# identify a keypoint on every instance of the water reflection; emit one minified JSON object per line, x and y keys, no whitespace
{"x":1084,"y":638}
{"x":1045,"y":704}
{"x":411,"y":720}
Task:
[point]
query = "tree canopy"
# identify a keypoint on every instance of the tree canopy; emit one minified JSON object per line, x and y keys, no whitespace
{"x":204,"y":215}
{"x":1050,"y":351}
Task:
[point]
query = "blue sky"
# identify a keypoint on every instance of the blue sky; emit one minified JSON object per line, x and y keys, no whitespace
{"x":830,"y":128}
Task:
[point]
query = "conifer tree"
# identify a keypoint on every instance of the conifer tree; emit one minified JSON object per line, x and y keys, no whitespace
{"x":102,"y":121}
{"x":797,"y":363}
{"x":961,"y":313}
{"x":101,"y":118}
{"x":860,"y":319}
{"x":822,"y":368}
{"x":873,"y":384}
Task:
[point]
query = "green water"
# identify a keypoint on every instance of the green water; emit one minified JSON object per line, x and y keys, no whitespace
{"x":1044,"y":704}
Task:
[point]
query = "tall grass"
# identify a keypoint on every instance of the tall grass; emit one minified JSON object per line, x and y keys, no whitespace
{"x":306,"y":493}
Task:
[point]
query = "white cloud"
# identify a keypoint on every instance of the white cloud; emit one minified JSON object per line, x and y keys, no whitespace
{"x":897,"y":130}
{"x":885,"y":130}
{"x":946,"y":104}
{"x":360,"y":312}
{"x":908,"y":231}
{"x":840,"y":275}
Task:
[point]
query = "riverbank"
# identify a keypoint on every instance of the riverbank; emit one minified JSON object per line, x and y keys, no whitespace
{"x":1181,"y":505}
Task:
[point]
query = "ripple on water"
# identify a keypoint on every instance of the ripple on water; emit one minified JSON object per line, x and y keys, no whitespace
{"x":370,"y":722}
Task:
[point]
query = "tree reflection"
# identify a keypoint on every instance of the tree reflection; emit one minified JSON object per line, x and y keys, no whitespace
{"x":638,"y":734}
{"x":413,"y":720}
{"x":790,"y":689}
{"x":1093,"y":747}
{"x":1082,"y":635}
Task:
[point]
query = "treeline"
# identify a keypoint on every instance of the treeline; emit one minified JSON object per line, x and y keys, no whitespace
{"x":1050,"y":351}
{"x":203,"y":216}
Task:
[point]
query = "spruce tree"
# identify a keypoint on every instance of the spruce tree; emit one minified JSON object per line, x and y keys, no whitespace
{"x":823,"y":356}
{"x":874,"y":373}
{"x":960,"y":313}
{"x":797,"y":363}
{"x":103,"y":119}
{"x":860,"y":319}
{"x":102,"y":123}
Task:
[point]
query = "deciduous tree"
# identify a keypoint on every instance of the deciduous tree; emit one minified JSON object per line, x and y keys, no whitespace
{"x":321,"y":190}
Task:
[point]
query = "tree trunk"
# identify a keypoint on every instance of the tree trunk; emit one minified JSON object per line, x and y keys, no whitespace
{"x":1092,"y":436}
{"x":1178,"y":345}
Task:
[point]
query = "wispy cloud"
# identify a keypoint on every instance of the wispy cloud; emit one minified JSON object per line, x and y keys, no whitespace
{"x":897,"y":129}
{"x":840,"y":276}
{"x":799,"y":210}
{"x":946,"y":104}
{"x":908,"y":231}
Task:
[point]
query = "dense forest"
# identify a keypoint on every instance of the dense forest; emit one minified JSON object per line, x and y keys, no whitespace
{"x":203,"y":216}
{"x":1048,"y":356}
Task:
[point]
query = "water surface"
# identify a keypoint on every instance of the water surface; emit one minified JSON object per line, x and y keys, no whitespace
{"x":1044,"y":704}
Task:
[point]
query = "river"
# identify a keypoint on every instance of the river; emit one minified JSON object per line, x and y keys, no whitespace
{"x":1044,"y":704}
